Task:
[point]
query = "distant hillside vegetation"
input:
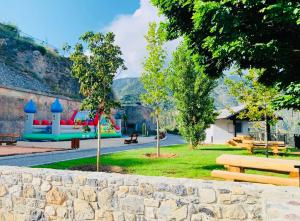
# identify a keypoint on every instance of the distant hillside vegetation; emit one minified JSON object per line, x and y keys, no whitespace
{"x":128,"y":91}
{"x":24,"y":63}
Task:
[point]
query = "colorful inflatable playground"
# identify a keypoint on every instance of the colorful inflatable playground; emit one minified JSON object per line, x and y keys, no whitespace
{"x":78,"y":126}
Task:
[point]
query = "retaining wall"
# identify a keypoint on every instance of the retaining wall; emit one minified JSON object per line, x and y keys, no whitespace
{"x":13,"y":100}
{"x":43,"y":194}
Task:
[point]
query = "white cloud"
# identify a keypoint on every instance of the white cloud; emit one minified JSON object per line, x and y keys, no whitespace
{"x":130,"y":31}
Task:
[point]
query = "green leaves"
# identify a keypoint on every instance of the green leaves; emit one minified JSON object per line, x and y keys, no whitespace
{"x":256,"y":97}
{"x":154,"y":74}
{"x":290,"y":99}
{"x":95,"y":67}
{"x":191,"y":89}
{"x":248,"y":33}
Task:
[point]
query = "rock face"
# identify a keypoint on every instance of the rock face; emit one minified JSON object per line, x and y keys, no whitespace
{"x":41,"y":194}
{"x":29,"y":65}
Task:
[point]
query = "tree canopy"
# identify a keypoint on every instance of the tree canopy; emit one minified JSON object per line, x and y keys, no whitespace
{"x":221,"y":33}
{"x":95,"y":68}
{"x":290,"y":99}
{"x":256,"y":97}
{"x":192,"y":92}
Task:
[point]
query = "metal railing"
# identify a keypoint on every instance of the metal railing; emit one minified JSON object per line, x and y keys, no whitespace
{"x":271,"y":136}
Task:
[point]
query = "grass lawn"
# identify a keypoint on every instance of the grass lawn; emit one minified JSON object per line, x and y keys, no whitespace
{"x":188,"y":163}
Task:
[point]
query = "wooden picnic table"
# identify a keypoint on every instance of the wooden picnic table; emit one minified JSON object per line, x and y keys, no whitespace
{"x":237,"y":164}
{"x":276,"y":147}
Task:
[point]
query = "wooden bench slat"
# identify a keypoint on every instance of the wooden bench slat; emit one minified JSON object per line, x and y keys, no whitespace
{"x":236,"y":176}
{"x":279,"y":165}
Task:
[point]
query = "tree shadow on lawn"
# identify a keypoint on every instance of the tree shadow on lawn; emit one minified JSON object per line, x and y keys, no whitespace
{"x":211,"y":167}
{"x":142,"y":160}
{"x":220,"y":149}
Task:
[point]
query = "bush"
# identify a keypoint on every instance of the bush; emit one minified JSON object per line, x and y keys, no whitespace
{"x":9,"y":30}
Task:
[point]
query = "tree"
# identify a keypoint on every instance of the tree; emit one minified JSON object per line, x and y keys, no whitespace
{"x":256,"y":97}
{"x":95,"y":68}
{"x":290,"y":99}
{"x":191,"y":89}
{"x":154,"y":75}
{"x":250,"y":34}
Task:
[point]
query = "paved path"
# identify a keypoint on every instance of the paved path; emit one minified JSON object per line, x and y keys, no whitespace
{"x":45,"y":158}
{"x":85,"y":144}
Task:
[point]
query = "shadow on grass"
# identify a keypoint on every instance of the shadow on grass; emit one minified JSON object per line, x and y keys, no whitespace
{"x":212,"y":167}
{"x":220,"y":149}
{"x":105,"y":160}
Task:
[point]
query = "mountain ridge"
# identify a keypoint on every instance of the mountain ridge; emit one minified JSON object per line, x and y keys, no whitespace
{"x":131,"y":88}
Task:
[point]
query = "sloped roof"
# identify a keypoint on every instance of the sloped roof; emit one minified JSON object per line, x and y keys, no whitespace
{"x":227,"y":113}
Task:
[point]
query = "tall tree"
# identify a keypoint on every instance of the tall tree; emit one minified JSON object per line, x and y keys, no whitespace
{"x":259,"y":34}
{"x":95,"y":67}
{"x":256,"y":97}
{"x":290,"y":98}
{"x":154,"y":74}
{"x":191,"y":89}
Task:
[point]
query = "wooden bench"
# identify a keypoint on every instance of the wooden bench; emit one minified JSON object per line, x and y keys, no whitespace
{"x":236,"y":166}
{"x":276,"y":147}
{"x":133,"y":139}
{"x":9,"y":139}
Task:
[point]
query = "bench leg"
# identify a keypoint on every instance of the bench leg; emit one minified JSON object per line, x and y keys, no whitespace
{"x":235,"y":169}
{"x":250,"y":150}
{"x":275,"y":150}
{"x":294,"y":174}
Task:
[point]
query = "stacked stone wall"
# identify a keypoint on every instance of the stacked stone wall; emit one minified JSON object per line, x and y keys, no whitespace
{"x":43,"y":194}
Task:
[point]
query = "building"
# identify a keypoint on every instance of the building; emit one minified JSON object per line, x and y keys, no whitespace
{"x":227,"y":126}
{"x":136,"y":116}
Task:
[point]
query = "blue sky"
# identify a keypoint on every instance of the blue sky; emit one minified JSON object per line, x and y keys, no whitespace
{"x":59,"y":21}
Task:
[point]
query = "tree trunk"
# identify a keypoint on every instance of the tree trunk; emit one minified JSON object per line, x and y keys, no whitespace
{"x":158,"y":138}
{"x":99,"y":143}
{"x":266,"y":136}
{"x":191,"y":146}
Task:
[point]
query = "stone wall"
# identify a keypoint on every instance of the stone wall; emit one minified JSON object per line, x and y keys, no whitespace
{"x":137,"y":115}
{"x":13,"y":100}
{"x":43,"y":194}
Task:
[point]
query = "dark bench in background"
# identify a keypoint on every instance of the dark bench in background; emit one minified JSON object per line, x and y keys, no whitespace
{"x":9,"y":139}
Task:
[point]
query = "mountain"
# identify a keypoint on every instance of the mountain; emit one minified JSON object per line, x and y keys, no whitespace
{"x":128,"y":91}
{"x":24,"y":63}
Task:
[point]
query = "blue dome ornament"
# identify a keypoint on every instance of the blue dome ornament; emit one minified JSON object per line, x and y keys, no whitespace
{"x":30,"y":107}
{"x":56,"y":107}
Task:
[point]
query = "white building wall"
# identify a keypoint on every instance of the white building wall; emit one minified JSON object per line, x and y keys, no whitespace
{"x":223,"y":130}
{"x":209,"y":134}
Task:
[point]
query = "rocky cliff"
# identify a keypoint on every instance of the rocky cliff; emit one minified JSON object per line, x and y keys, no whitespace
{"x":29,"y":65}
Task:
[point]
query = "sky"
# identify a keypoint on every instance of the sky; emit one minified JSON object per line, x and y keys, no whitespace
{"x":59,"y":21}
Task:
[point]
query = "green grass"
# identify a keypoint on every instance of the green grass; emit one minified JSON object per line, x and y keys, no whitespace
{"x":188,"y":163}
